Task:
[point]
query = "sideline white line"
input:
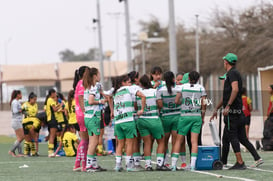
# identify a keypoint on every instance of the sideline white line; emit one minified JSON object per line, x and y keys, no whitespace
{"x":223,"y":176}
{"x":216,"y":175}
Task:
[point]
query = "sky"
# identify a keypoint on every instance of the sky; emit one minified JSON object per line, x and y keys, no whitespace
{"x":35,"y":31}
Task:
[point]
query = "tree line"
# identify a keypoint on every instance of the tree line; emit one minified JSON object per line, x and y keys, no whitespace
{"x":247,"y":33}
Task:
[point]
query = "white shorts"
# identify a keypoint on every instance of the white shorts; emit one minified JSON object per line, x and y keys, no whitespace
{"x":15,"y":124}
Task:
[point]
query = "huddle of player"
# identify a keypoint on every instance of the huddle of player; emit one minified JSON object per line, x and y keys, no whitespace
{"x":141,"y":108}
{"x":31,"y":121}
{"x":62,"y":124}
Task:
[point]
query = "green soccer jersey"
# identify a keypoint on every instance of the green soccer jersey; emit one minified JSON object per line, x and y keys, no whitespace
{"x":169,"y":106}
{"x":151,"y":109}
{"x":124,"y":104}
{"x":91,"y":110}
{"x":191,"y":99}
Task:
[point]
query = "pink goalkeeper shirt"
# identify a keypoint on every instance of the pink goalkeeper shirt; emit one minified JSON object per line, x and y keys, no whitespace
{"x":79,"y":91}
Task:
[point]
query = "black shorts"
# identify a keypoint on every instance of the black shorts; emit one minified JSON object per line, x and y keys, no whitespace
{"x":247,"y":120}
{"x":76,"y":126}
{"x":61,"y":126}
{"x":26,"y":127}
{"x":52,"y":124}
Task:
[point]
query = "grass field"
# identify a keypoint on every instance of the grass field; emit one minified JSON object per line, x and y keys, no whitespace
{"x":44,"y":168}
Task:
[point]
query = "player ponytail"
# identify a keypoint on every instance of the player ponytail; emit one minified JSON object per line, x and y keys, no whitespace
{"x":78,"y":75}
{"x":133,"y":76}
{"x":169,"y":79}
{"x":145,"y":82}
{"x":50,"y":92}
{"x":193,"y":77}
{"x":14,"y":94}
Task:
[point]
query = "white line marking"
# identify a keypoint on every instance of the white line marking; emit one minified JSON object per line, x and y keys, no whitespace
{"x":216,"y":175}
{"x":223,"y":176}
{"x":262,"y":170}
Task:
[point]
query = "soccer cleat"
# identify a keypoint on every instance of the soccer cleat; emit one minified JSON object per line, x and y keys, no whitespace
{"x":35,"y":154}
{"x":101,"y":169}
{"x":77,"y":169}
{"x":167,"y":165}
{"x":173,"y":169}
{"x":238,"y":166}
{"x":257,"y":163}
{"x":148,"y":168}
{"x":118,"y":169}
{"x":162,"y":168}
{"x":93,"y":169}
{"x":183,"y":165}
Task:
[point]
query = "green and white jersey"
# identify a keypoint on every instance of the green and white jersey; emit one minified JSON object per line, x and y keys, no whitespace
{"x":124,"y":104}
{"x":162,"y":83}
{"x":151,"y":109}
{"x":91,"y":110}
{"x":136,"y":87}
{"x":191,"y":99}
{"x":169,"y":106}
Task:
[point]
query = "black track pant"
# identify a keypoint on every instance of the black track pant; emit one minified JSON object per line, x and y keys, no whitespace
{"x":234,"y":133}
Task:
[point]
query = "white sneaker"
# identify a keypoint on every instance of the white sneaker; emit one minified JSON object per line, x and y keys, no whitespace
{"x":257,"y":163}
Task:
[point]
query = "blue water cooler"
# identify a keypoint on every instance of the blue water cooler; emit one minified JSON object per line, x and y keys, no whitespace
{"x":208,"y":158}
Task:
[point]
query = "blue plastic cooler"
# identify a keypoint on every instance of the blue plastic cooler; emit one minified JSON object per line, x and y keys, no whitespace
{"x":208,"y":158}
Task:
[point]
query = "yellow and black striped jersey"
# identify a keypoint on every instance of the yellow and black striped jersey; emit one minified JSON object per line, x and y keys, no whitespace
{"x":69,"y":141}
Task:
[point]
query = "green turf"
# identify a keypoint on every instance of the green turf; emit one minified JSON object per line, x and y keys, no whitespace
{"x":6,"y":139}
{"x":44,"y":168}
